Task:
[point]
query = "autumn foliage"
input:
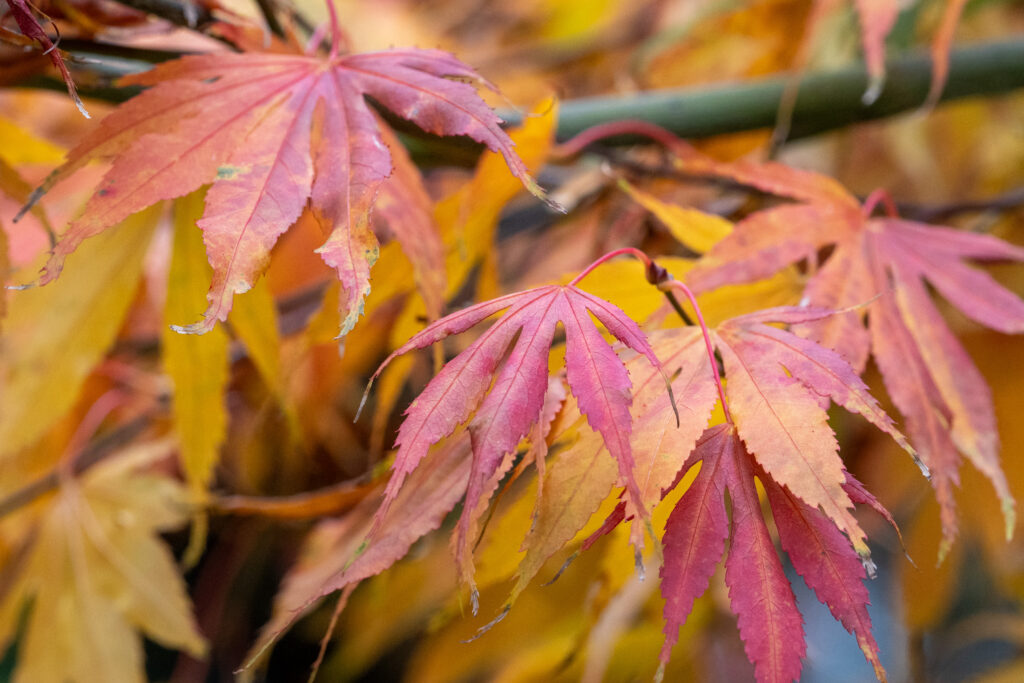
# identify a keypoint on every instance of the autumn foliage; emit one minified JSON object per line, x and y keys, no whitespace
{"x":299,"y":316}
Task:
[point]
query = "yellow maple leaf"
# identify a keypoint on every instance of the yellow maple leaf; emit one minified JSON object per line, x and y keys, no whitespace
{"x":95,"y":574}
{"x":55,"y":335}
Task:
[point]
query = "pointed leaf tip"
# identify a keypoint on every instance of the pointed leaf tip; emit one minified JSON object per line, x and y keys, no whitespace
{"x":489,"y":625}
{"x":199,"y":327}
{"x":876,"y":84}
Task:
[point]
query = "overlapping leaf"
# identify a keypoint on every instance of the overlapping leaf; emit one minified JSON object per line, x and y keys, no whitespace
{"x":333,"y":559}
{"x":582,"y":475}
{"x":886,"y":263}
{"x":55,"y":336}
{"x":272,"y":131}
{"x":198,"y":367}
{"x":514,"y":350}
{"x":776,"y":382}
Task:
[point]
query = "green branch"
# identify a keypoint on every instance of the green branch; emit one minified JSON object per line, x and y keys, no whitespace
{"x":825,"y":100}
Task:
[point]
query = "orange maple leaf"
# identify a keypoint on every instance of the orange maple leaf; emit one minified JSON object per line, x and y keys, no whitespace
{"x":272,"y":131}
{"x":879,"y":269}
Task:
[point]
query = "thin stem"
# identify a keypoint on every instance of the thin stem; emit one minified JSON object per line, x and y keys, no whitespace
{"x":94,"y":417}
{"x":707,"y":340}
{"x":618,"y":129}
{"x":607,"y":257}
{"x":102,"y":447}
{"x":680,"y":311}
{"x":338,"y":607}
{"x":335,"y":29}
{"x":880,"y":196}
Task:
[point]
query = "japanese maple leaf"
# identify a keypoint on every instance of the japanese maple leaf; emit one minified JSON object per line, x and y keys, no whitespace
{"x":96,"y":576}
{"x":501,"y":378}
{"x":775,"y":385}
{"x":776,"y":382}
{"x":759,"y":593}
{"x":583,"y":475}
{"x":273,"y":131}
{"x":879,"y":267}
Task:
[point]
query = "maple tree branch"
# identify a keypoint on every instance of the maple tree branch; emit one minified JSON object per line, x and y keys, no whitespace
{"x":184,"y":13}
{"x":86,"y":53}
{"x":937,"y":213}
{"x":96,"y":451}
{"x":330,"y":500}
{"x":824,"y":101}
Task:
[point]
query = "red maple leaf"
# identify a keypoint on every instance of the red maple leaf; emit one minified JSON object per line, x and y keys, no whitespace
{"x":760,"y":595}
{"x":273,"y":131}
{"x":878,"y":269}
{"x":501,"y":380}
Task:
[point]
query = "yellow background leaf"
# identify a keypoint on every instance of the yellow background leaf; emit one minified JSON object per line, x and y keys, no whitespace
{"x":253,"y":319}
{"x":196,"y":364}
{"x":97,"y":572}
{"x":55,"y":335}
{"x":469,"y":217}
{"x":696,"y":229}
{"x":21,"y":147}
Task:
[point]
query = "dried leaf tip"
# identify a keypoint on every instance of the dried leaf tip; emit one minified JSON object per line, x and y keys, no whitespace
{"x":1010,"y":516}
{"x":534,"y":188}
{"x":489,"y":625}
{"x":875,"y":86}
{"x":202,"y":326}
